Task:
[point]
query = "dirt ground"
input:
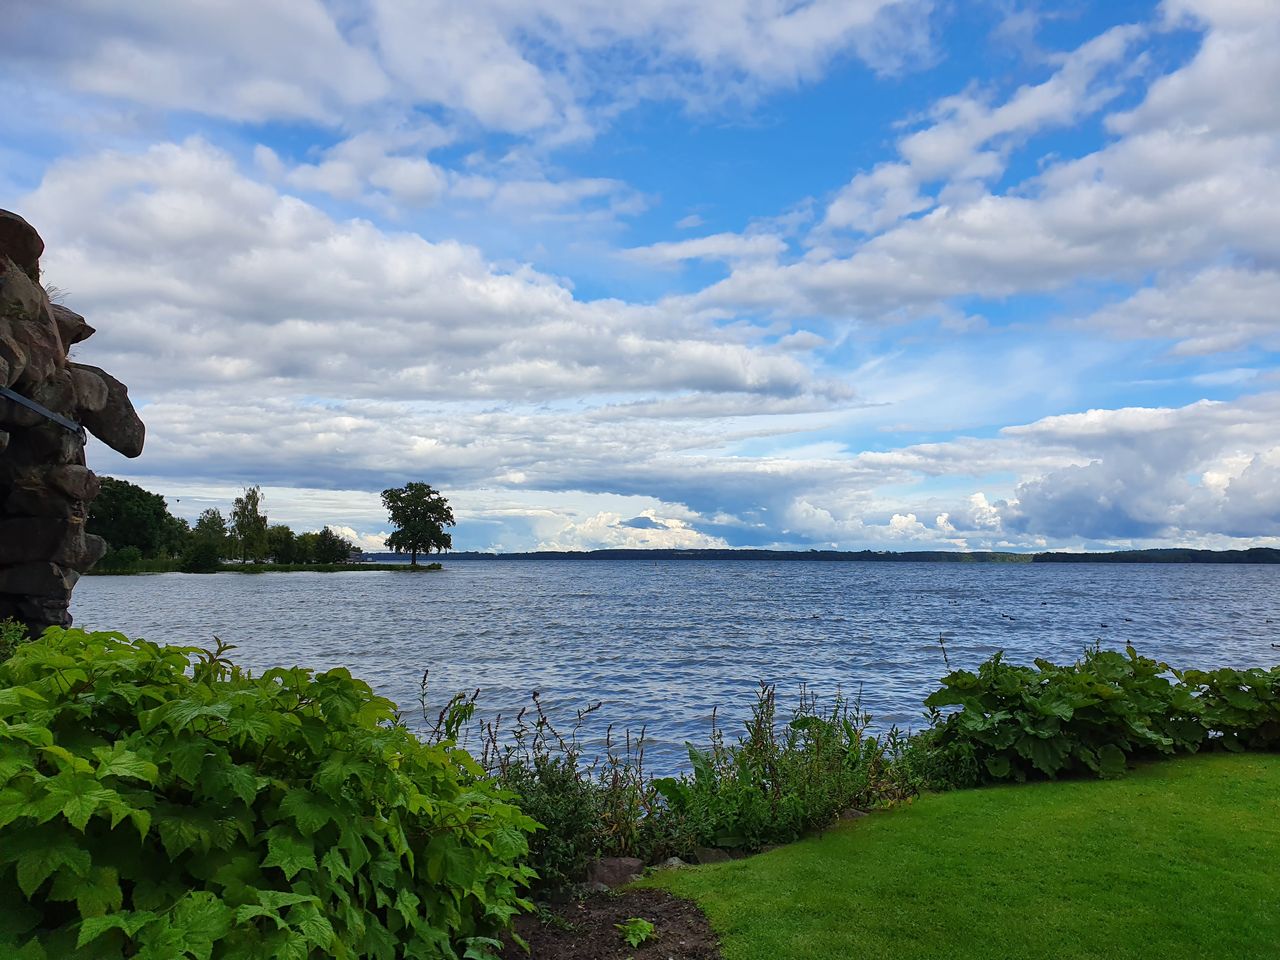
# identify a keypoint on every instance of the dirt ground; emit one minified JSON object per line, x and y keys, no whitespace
{"x":584,"y":930}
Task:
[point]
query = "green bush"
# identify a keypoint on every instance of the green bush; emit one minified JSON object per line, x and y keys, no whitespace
{"x":773,"y":784}
{"x":12,"y":633}
{"x":1239,"y":709}
{"x":202,"y":555}
{"x":122,"y":559}
{"x":566,"y":806}
{"x":153,"y":807}
{"x":1093,"y":716}
{"x":777,"y":783}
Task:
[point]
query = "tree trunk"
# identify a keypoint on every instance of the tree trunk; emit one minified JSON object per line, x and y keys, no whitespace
{"x":413,"y":558}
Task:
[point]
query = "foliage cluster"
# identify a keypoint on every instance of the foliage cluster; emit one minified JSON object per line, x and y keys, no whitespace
{"x":778,"y":780}
{"x":249,"y":525}
{"x":776,"y":783}
{"x":1093,"y":716}
{"x":159,"y":802}
{"x":142,"y":536}
{"x":135,"y":523}
{"x":635,"y":931}
{"x":771,"y":785}
{"x":12,"y":633}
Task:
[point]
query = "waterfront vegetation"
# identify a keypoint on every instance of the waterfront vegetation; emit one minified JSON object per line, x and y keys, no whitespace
{"x":178,"y":566}
{"x":159,"y":802}
{"x":160,"y":799}
{"x":775,"y":782}
{"x":142,"y":536}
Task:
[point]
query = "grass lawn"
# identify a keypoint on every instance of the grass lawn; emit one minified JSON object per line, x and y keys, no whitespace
{"x":1180,"y":859}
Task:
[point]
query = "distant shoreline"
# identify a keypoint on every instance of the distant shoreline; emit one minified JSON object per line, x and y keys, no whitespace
{"x":175,"y":566}
{"x":1264,"y":555}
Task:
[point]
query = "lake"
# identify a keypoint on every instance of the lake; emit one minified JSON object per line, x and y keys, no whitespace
{"x":662,"y":644}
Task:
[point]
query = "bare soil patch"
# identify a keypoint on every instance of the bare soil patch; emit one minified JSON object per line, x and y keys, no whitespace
{"x":584,"y":930}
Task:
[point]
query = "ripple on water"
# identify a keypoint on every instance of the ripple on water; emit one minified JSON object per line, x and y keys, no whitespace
{"x":661,"y":646}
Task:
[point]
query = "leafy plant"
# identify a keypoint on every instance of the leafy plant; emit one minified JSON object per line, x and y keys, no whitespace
{"x":773,"y":784}
{"x":159,"y":802}
{"x":12,"y":633}
{"x":635,"y":931}
{"x":1239,"y":709}
{"x":778,"y":782}
{"x":1093,"y":716}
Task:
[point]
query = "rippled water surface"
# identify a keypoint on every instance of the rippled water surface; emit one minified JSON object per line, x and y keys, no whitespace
{"x":663,"y":643}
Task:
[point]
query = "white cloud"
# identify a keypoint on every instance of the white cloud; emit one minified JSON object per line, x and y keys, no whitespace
{"x":969,"y":140}
{"x":1183,"y":188}
{"x":610,"y":530}
{"x":719,"y":246}
{"x":369,"y":542}
{"x":225,"y":281}
{"x":1218,"y":309}
{"x":515,"y":67}
{"x":292,"y":63}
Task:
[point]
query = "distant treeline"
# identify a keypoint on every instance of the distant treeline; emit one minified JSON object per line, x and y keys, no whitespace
{"x":1170,"y":555}
{"x":1175,"y":555}
{"x":144,"y":537}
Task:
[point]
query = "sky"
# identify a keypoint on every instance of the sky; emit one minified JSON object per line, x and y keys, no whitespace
{"x":801,"y":274}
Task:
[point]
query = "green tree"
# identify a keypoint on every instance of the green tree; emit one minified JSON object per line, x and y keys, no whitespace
{"x":126,"y":515}
{"x":304,"y":546}
{"x":331,"y":547}
{"x":212,"y":526}
{"x":249,"y":525}
{"x":282,"y":545}
{"x":207,"y":544}
{"x":420,"y":514}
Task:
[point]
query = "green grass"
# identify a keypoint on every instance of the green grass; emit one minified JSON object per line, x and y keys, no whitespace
{"x":1180,"y":859}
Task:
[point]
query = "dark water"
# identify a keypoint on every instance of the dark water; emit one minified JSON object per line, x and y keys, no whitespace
{"x":662,"y":644}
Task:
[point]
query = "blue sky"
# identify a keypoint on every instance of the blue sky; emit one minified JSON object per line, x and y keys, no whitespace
{"x":870,"y":273}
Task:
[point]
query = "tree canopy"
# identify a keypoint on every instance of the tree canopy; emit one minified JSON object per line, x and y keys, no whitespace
{"x":125,"y":515}
{"x":249,"y":524}
{"x":420,"y":514}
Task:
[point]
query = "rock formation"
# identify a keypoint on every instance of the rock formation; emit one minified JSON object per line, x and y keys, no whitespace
{"x":45,"y":487}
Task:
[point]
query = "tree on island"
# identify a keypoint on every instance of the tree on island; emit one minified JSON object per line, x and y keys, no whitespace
{"x":249,"y":525}
{"x":420,"y":514}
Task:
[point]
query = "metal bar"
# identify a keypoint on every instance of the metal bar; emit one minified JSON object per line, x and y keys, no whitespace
{"x":44,"y":411}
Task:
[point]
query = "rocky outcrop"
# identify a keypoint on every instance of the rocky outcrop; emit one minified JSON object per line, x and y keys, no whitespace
{"x":45,"y":486}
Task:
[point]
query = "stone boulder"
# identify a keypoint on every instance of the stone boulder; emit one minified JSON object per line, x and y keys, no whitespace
{"x":45,"y":485}
{"x":614,"y":871}
{"x":21,"y":244}
{"x":116,"y":423}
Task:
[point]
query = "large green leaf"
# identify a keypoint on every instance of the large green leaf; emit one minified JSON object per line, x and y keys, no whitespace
{"x":117,"y":761}
{"x":289,"y":852}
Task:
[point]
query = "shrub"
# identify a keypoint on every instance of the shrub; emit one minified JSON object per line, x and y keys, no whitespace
{"x":155,"y":808}
{"x":12,"y":633}
{"x":1093,"y":716}
{"x":121,"y":559}
{"x":774,"y":785}
{"x":770,"y":786}
{"x":566,"y":806}
{"x":1239,"y":709}
{"x":202,"y":555}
